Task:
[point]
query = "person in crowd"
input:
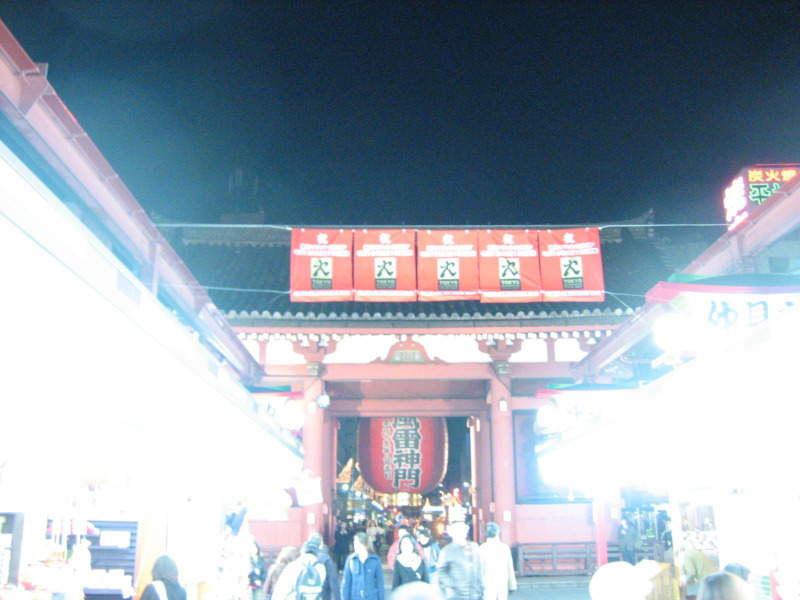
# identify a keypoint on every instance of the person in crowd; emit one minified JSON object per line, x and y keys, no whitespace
{"x":666,"y":535}
{"x":286,"y":587}
{"x":629,"y":541}
{"x":285,"y":556}
{"x":165,"y":584}
{"x":723,"y":586}
{"x":375,"y":533}
{"x":331,"y":589}
{"x":697,"y":565}
{"x":430,"y":549}
{"x":737,"y":569}
{"x":402,"y":531}
{"x":363,"y":572}
{"x":388,"y":536}
{"x":667,"y":550}
{"x":416,"y":590}
{"x":458,"y":571}
{"x":258,"y":573}
{"x":408,"y":565}
{"x":497,"y":566}
{"x":341,"y":546}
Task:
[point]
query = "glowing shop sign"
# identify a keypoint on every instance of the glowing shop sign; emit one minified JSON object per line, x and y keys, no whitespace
{"x":707,"y":313}
{"x":752,"y":187}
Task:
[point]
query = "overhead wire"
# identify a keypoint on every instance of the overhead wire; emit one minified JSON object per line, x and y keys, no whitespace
{"x":470,"y":227}
{"x":615,"y":295}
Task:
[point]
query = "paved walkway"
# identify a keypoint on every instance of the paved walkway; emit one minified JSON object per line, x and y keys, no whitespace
{"x":535,"y":588}
{"x":552,"y":588}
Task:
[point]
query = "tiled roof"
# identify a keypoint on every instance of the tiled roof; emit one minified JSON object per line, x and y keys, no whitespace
{"x":247,"y":277}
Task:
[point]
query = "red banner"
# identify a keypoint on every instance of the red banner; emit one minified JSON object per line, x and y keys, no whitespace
{"x":509,"y":265}
{"x":321,"y":265}
{"x":447,"y":265}
{"x":571,"y":265}
{"x":384,"y":265}
{"x":402,"y":454}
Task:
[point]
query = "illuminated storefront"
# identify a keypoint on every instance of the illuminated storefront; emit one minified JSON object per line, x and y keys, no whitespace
{"x":126,"y":421}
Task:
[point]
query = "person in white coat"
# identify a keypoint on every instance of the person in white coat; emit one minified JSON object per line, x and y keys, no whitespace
{"x":496,"y":565}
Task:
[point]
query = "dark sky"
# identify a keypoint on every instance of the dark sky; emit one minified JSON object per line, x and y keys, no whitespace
{"x":425,"y":112}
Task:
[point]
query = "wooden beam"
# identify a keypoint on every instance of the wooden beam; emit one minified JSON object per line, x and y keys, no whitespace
{"x":547,"y":370}
{"x":421,"y":408}
{"x":285,"y":374}
{"x":392,"y":371}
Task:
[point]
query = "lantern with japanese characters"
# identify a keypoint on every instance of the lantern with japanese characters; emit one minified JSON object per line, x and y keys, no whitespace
{"x":402,"y":454}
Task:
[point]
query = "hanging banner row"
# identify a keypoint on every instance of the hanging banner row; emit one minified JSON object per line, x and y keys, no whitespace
{"x":405,"y":265}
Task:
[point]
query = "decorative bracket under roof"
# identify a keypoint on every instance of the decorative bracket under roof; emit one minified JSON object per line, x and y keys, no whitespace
{"x":500,"y":350}
{"x":314,"y":352}
{"x":407,"y":352}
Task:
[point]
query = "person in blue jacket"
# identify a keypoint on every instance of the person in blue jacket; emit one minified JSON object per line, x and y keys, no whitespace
{"x":363,"y":572}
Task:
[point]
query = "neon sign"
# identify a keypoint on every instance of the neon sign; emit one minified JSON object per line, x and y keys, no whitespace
{"x":752,"y":187}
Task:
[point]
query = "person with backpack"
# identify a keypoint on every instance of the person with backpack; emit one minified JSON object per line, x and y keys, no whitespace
{"x":165,"y":584}
{"x":330,"y":588}
{"x":303,"y":578}
{"x":363,"y":572}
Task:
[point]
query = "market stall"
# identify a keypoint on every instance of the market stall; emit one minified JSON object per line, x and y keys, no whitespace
{"x":716,"y":432}
{"x":113,"y":412}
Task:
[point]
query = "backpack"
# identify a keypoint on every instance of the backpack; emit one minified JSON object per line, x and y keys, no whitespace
{"x":310,"y":581}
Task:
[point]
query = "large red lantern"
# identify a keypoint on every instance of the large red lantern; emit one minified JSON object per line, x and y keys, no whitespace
{"x":402,"y":454}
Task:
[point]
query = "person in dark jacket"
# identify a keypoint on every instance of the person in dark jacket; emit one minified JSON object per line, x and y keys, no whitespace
{"x":330,"y":590}
{"x":391,"y":554}
{"x":430,"y":549}
{"x":363,"y":572}
{"x":409,"y":565}
{"x":629,"y":541}
{"x":458,"y":572}
{"x":341,"y":546}
{"x":165,"y":584}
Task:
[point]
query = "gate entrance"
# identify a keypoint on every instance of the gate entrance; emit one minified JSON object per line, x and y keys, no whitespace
{"x":360,"y":501}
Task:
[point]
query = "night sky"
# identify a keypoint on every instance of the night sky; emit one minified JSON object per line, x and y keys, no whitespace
{"x":420,"y":113}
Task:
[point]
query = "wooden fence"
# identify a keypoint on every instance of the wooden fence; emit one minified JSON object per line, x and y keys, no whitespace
{"x":572,"y":558}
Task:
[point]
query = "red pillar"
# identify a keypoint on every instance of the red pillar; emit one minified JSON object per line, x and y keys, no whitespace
{"x":503,"y":458}
{"x":334,"y":466}
{"x":313,"y":442}
{"x":482,"y":463}
{"x":328,"y":474}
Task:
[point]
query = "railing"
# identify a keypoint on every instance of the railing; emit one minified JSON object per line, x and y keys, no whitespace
{"x":577,"y":558}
